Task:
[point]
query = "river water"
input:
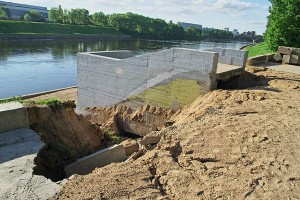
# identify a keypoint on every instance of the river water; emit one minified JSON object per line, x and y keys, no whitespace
{"x":31,"y":67}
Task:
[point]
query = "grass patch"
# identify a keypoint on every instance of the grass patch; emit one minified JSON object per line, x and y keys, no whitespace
{"x":24,"y":27}
{"x":112,"y":136}
{"x":259,"y":49}
{"x":17,"y":98}
{"x":179,"y":92}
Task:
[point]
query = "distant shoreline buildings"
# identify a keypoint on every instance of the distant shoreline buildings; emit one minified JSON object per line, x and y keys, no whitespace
{"x":188,"y":25}
{"x":235,"y":32}
{"x":17,"y":10}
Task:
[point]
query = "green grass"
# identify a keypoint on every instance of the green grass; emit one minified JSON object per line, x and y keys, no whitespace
{"x":178,"y":92}
{"x":53,"y":103}
{"x":112,"y":136}
{"x":259,"y":49}
{"x":24,"y":27}
{"x":17,"y":98}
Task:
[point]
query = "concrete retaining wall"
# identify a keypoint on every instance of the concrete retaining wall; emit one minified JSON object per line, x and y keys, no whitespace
{"x":99,"y":159}
{"x":231,"y":56}
{"x":107,"y":78}
{"x":13,"y":116}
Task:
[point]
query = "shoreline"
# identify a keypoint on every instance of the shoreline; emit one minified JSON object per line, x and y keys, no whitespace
{"x":57,"y":37}
{"x":69,"y":93}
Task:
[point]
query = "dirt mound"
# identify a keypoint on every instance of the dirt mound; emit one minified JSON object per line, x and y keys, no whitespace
{"x":67,"y":136}
{"x":123,"y":119}
{"x":238,"y":144}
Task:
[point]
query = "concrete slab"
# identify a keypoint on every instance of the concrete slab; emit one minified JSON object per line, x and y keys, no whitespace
{"x":18,"y":143}
{"x":13,"y":115}
{"x":102,"y":158}
{"x":225,"y":72}
{"x":18,"y":149}
{"x":283,"y":67}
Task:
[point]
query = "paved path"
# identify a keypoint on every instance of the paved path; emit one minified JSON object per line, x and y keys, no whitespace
{"x":283,"y":67}
{"x":18,"y":149}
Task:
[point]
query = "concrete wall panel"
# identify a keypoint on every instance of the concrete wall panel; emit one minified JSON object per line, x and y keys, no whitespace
{"x":105,"y":81}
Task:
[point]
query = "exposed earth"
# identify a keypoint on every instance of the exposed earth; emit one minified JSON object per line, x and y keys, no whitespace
{"x":228,"y":144}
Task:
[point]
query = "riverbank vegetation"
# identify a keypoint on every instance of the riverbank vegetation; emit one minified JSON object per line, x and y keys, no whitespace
{"x":80,"y":21}
{"x":283,"y":24}
{"x":134,"y":24}
{"x":24,"y":27}
{"x":259,"y":49}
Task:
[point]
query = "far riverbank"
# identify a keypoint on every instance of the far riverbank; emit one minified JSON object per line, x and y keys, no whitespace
{"x":30,"y":37}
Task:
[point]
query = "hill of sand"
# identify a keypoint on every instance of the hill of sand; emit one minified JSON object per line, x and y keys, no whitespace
{"x":228,"y":144}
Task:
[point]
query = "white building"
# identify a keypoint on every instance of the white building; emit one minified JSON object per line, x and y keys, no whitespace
{"x":188,"y":25}
{"x":18,"y":10}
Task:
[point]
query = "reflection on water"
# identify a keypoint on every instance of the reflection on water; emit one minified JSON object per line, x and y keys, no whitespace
{"x":29,"y":67}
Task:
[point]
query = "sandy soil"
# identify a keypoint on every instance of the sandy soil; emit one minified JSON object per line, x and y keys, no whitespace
{"x":68,"y":94}
{"x":228,"y":144}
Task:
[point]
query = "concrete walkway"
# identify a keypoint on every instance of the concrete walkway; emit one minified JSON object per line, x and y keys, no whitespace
{"x":18,"y":148}
{"x":283,"y":67}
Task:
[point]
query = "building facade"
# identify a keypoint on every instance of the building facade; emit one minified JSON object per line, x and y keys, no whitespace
{"x":188,"y":25}
{"x":18,"y":10}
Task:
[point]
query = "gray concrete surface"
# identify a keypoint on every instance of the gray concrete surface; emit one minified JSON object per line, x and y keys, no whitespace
{"x":18,"y":143}
{"x":18,"y":148}
{"x":282,"y":67}
{"x":107,"y":78}
{"x":102,"y":158}
{"x":225,"y":72}
{"x":231,"y":56}
{"x":13,"y":115}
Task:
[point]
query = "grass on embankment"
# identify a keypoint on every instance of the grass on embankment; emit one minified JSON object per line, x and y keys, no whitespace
{"x":179,"y":91}
{"x":259,"y":49}
{"x":24,"y":27}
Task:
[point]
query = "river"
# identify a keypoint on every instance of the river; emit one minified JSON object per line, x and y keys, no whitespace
{"x":31,"y":67}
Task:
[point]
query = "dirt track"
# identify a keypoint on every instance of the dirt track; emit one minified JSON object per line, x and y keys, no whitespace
{"x":238,"y":144}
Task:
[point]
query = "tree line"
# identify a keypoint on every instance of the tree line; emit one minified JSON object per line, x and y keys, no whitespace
{"x":283,"y":28}
{"x":128,"y":23}
{"x":133,"y":24}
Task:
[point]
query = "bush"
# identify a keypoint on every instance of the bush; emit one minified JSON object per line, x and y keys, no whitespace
{"x":4,"y":13}
{"x":34,"y":16}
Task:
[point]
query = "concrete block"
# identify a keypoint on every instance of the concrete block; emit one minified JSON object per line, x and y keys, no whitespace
{"x":257,"y":60}
{"x":274,"y":57}
{"x":102,"y":158}
{"x":294,"y":59}
{"x":286,"y":59}
{"x":285,"y":50}
{"x":13,"y":116}
{"x":231,"y":56}
{"x":296,"y":51}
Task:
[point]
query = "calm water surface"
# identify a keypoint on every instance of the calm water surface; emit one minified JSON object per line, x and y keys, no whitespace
{"x":30,"y":67}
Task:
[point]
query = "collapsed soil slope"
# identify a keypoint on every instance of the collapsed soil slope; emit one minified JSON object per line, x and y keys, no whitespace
{"x":238,"y":144}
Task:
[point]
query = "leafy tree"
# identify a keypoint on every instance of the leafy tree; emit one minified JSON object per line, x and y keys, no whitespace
{"x":27,"y":17}
{"x":283,"y":28}
{"x":99,"y":19}
{"x":193,"y":33}
{"x":4,"y":13}
{"x":34,"y":15}
{"x":78,"y":16}
{"x":56,"y":14}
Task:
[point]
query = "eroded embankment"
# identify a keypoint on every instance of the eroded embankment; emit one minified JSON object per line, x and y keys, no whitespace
{"x":239,"y":144}
{"x":69,"y":136}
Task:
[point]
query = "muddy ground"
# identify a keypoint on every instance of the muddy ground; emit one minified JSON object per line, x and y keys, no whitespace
{"x":228,"y":144}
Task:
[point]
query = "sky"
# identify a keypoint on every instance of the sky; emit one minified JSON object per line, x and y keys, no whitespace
{"x":244,"y":15}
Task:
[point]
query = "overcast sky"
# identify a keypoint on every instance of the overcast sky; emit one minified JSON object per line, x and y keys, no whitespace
{"x":243,"y":15}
